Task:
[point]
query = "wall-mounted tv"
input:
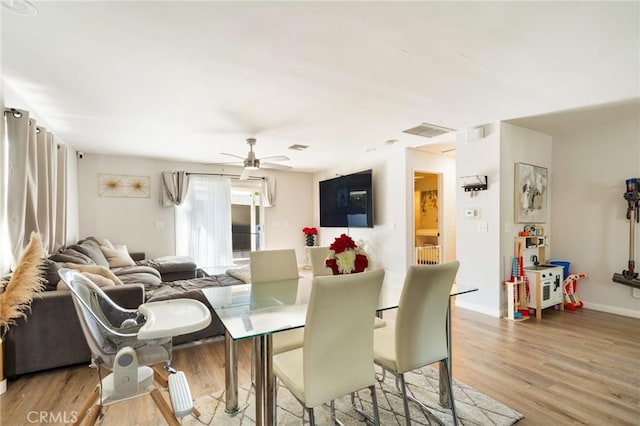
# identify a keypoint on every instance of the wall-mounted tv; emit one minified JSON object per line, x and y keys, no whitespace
{"x":347,"y":201}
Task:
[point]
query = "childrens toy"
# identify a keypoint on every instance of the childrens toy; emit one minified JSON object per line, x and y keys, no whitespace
{"x":572,"y":301}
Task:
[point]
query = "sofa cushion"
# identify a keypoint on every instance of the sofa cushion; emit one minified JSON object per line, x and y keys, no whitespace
{"x":117,"y":256}
{"x":101,"y":241}
{"x":168,"y":264}
{"x":98,"y":280}
{"x":50,"y":274}
{"x":243,"y":274}
{"x":96,"y":269}
{"x":138,"y":274}
{"x":73,"y":256}
{"x":91,"y":249}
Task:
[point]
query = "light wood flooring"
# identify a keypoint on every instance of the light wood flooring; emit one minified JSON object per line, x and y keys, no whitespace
{"x":580,"y":367}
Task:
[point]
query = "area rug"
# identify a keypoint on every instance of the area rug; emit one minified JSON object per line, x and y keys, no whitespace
{"x":473,"y":407}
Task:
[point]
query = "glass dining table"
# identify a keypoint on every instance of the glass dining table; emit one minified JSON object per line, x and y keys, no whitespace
{"x":258,"y":311}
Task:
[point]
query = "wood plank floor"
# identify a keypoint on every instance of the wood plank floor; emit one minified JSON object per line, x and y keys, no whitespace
{"x":580,"y":367}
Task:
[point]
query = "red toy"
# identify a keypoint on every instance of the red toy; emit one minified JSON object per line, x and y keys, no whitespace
{"x":572,"y":301}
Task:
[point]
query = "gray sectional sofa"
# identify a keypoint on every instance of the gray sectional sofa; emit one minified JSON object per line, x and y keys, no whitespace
{"x":51,"y":336}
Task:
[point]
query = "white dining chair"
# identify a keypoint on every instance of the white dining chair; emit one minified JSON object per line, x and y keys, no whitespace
{"x":419,"y":337}
{"x":318,"y":269}
{"x":336,"y":358}
{"x":277,"y":265}
{"x":318,"y":257}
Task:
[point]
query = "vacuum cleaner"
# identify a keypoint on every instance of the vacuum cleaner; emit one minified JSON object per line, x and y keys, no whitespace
{"x":630,"y":276}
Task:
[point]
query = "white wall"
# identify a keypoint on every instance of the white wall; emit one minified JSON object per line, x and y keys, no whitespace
{"x":385,"y":241}
{"x":144,"y":225}
{"x":590,"y":228}
{"x":520,"y":145}
{"x":479,"y":251}
{"x":390,"y":241}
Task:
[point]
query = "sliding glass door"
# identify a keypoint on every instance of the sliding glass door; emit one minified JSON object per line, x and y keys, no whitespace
{"x":246,"y":219}
{"x":220,"y":221}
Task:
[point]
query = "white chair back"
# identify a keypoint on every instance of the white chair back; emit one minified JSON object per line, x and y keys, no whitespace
{"x":338,"y":336}
{"x":420,"y":333}
{"x":273,"y":265}
{"x":318,"y":256}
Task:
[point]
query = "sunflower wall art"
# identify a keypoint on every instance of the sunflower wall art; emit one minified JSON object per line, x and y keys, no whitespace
{"x":124,"y":186}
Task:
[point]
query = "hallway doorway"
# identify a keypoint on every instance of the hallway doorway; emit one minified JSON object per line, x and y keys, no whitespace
{"x":426,"y":218}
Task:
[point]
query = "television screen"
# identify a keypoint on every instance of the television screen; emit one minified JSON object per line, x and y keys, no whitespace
{"x":347,"y":201}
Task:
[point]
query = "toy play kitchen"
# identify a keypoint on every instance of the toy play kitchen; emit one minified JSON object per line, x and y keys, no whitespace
{"x":544,"y":282}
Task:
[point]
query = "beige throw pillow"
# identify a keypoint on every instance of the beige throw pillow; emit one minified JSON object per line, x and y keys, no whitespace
{"x":98,"y":280}
{"x":105,"y":242}
{"x":117,"y":256}
{"x":103,"y":271}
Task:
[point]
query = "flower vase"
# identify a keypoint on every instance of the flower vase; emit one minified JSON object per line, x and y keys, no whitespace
{"x":310,"y":240}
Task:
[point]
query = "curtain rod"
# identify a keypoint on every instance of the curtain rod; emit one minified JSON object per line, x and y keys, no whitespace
{"x":225,"y":174}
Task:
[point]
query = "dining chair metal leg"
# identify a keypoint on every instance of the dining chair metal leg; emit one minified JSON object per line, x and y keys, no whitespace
{"x":312,"y":418}
{"x":405,"y":397}
{"x":374,"y":400}
{"x":451,"y":398}
{"x":332,"y":405}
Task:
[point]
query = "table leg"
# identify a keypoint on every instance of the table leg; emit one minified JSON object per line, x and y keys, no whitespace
{"x":230,"y":374}
{"x":259,"y":379}
{"x":445,"y":399}
{"x":265,"y":382}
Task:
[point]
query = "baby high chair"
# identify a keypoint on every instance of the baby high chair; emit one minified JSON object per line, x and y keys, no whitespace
{"x":127,"y":341}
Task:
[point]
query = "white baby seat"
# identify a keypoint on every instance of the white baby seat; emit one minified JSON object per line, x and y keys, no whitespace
{"x":127,"y":341}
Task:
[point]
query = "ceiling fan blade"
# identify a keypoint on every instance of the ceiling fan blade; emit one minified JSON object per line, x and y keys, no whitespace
{"x":245,"y":174}
{"x":274,"y":166}
{"x":232,"y":155}
{"x":234,"y":163}
{"x":275,"y":158}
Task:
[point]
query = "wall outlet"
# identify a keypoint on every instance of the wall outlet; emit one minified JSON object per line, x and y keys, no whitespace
{"x":483,"y":227}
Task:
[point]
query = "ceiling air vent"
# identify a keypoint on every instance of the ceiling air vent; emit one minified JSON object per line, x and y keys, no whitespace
{"x":428,"y":130}
{"x":297,"y":147}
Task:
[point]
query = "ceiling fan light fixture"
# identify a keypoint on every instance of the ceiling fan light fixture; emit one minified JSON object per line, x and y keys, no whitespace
{"x":252,"y":164}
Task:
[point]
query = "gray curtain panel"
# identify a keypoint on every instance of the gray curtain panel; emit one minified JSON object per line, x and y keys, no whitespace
{"x":174,"y":188}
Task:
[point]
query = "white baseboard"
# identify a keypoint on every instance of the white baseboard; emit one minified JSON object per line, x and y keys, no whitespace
{"x":460,"y":303}
{"x":3,"y":386}
{"x":612,"y":309}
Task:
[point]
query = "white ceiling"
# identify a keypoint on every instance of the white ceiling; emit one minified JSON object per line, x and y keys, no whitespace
{"x":189,"y":80}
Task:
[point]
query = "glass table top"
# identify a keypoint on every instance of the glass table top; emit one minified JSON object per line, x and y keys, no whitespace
{"x":248,"y":311}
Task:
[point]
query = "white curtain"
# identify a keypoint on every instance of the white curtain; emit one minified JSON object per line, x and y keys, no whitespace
{"x":31,"y":183}
{"x":17,"y":122}
{"x":203,"y":222}
{"x":44,"y":210}
{"x":61,"y":199}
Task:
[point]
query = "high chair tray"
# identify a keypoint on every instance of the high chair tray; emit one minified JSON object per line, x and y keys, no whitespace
{"x":174,"y":317}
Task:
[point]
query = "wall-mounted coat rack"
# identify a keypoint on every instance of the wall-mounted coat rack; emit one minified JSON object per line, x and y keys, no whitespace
{"x":474,"y":183}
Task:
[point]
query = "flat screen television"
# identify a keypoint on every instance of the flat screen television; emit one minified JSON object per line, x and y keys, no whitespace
{"x":347,"y":201}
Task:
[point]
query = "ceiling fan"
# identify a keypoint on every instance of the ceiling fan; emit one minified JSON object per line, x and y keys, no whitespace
{"x":252,"y":163}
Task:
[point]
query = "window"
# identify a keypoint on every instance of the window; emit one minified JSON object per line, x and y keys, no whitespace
{"x":246,"y":219}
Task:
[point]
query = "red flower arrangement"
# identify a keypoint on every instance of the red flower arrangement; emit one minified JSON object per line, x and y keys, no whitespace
{"x":345,"y":257}
{"x":310,"y":231}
